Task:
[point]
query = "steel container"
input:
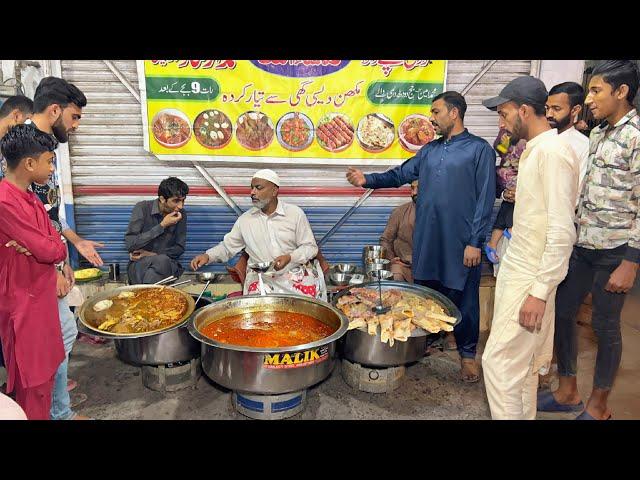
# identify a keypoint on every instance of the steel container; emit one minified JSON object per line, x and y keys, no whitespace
{"x":368,"y":350}
{"x":268,"y":370}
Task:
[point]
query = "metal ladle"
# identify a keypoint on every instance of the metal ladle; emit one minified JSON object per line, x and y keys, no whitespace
{"x":260,"y":268}
{"x":208,"y":277}
{"x":380,"y":275}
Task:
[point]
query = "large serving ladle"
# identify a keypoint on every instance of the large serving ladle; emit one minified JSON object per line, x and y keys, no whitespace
{"x":260,"y":268}
{"x":376,"y":270}
{"x":380,"y":275}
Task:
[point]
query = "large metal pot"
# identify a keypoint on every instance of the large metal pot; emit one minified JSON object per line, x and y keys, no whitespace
{"x":170,"y":345}
{"x":368,"y":350}
{"x":268,"y":370}
{"x":175,"y":345}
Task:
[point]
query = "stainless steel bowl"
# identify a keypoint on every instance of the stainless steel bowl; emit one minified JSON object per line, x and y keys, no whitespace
{"x":365,"y":349}
{"x":260,"y":266}
{"x":377,"y":264}
{"x":176,"y":345}
{"x":340,"y":279}
{"x":380,"y":274}
{"x":268,"y":370}
{"x":345,"y":268}
{"x":205,"y":277}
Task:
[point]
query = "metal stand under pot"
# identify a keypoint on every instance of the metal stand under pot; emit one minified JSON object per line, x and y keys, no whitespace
{"x":173,"y":376}
{"x":372,"y":366}
{"x":372,"y":380}
{"x":269,"y":407}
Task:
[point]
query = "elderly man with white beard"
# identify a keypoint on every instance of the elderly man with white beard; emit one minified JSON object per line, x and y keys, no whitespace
{"x":275,"y":232}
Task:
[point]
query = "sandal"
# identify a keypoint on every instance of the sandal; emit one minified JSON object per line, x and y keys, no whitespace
{"x":491,"y":254}
{"x":91,"y":340}
{"x":77,"y":399}
{"x":469,"y":377}
{"x":548,"y":403}
{"x":586,"y":416}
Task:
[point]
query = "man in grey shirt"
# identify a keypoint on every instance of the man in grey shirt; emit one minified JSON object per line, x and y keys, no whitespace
{"x":157,"y":234}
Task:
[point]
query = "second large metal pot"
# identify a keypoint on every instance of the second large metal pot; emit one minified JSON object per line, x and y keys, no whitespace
{"x":268,"y":370}
{"x":369,"y":350}
{"x":174,"y":346}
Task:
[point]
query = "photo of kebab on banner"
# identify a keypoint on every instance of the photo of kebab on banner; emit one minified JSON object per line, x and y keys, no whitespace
{"x":335,"y":132}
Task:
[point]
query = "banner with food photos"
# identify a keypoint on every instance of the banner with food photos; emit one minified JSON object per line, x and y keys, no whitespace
{"x":289,"y":111}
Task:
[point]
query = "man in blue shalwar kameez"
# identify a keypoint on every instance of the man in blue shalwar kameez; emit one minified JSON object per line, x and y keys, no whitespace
{"x":453,"y":215}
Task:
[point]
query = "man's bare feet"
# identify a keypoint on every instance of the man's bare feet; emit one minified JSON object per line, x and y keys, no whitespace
{"x":470,"y":372}
{"x":564,"y":398}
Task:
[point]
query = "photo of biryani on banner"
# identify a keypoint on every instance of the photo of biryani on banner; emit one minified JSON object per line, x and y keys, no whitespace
{"x":376,"y":132}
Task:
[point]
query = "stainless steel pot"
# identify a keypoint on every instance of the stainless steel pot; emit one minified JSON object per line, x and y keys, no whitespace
{"x":268,"y":370}
{"x":176,"y":345}
{"x":368,"y":350}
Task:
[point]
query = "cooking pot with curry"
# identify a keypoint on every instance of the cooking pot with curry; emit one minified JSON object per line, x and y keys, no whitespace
{"x":268,"y":344}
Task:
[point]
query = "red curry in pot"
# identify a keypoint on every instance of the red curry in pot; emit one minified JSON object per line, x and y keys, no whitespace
{"x":267,"y":329}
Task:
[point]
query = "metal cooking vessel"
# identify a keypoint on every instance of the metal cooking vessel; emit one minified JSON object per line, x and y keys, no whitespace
{"x":88,"y":316}
{"x":175,"y":345}
{"x":371,"y":253}
{"x":368,"y":350}
{"x":268,"y":370}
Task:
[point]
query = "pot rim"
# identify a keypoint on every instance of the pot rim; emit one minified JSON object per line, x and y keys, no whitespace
{"x":195,"y":333}
{"x":127,"y":336}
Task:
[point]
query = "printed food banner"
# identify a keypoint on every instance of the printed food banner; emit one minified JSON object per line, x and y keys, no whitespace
{"x":289,"y":111}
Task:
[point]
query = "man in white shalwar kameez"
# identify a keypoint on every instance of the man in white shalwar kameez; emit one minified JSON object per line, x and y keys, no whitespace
{"x":520,"y":345}
{"x":272,"y":232}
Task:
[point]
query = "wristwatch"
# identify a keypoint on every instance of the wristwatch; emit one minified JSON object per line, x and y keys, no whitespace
{"x":60,"y":267}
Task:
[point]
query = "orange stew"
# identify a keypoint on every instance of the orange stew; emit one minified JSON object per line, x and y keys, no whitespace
{"x":267,"y":329}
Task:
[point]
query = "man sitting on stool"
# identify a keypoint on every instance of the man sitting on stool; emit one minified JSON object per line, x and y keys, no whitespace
{"x":397,"y":237}
{"x":157,"y":234}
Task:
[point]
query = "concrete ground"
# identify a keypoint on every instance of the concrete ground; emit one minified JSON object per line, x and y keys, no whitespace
{"x":431,"y":388}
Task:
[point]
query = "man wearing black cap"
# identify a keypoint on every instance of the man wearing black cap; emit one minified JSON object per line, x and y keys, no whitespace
{"x":520,"y":345}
